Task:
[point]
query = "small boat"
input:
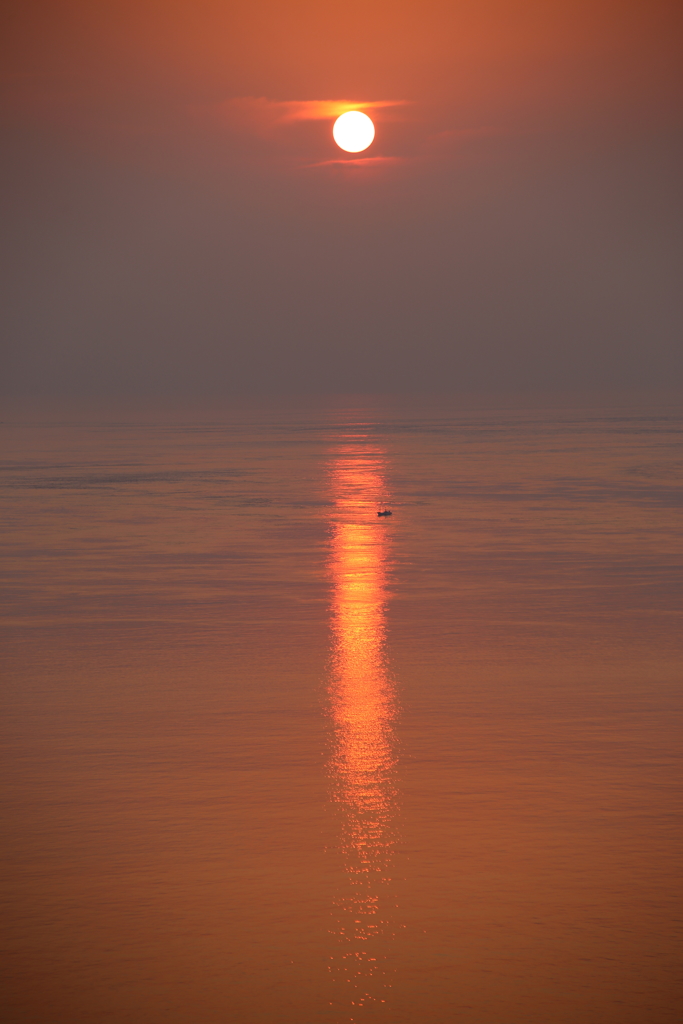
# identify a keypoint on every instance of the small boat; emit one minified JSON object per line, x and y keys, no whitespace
{"x":387,"y":512}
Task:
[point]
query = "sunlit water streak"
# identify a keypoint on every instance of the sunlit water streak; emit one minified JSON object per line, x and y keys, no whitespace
{"x":363,"y":710}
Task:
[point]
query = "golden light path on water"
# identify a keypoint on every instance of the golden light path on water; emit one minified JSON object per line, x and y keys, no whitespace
{"x":363,"y":709}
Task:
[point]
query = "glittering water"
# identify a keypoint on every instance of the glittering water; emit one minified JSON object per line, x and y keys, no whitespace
{"x":270,"y":757}
{"x":363,"y":707}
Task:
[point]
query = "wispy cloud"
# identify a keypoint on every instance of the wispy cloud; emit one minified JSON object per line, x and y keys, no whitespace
{"x":267,"y":130}
{"x":260,"y":114}
{"x":365,"y":161}
{"x":320,"y":110}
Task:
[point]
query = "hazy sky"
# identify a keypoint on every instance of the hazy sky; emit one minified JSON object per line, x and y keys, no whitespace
{"x":178,"y":221}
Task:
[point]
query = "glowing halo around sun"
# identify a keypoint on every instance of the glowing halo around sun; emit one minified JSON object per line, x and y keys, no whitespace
{"x":353,"y":131}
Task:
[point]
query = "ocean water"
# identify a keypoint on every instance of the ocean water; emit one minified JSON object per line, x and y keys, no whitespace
{"x":270,"y":758}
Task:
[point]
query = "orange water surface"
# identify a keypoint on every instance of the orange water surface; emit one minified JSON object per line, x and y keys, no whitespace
{"x":272,"y":759}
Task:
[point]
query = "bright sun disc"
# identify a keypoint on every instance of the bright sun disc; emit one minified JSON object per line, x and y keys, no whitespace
{"x":353,"y":131}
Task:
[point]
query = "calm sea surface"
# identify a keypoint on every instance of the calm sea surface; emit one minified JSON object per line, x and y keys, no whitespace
{"x":272,"y":759}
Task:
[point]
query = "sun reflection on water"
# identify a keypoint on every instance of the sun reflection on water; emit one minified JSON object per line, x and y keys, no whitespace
{"x":363,"y":709}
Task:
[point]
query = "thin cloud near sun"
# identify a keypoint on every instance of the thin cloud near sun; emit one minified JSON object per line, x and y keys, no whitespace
{"x":404,"y":136}
{"x":367,"y":161}
{"x":260,"y":114}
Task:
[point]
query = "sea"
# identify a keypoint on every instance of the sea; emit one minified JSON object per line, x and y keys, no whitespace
{"x":273,"y":758}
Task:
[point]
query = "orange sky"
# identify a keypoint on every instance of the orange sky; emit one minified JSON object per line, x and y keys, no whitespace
{"x":172,"y":174}
{"x":516,"y":65}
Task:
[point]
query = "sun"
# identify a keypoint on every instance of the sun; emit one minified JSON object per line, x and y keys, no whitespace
{"x":353,"y":131}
